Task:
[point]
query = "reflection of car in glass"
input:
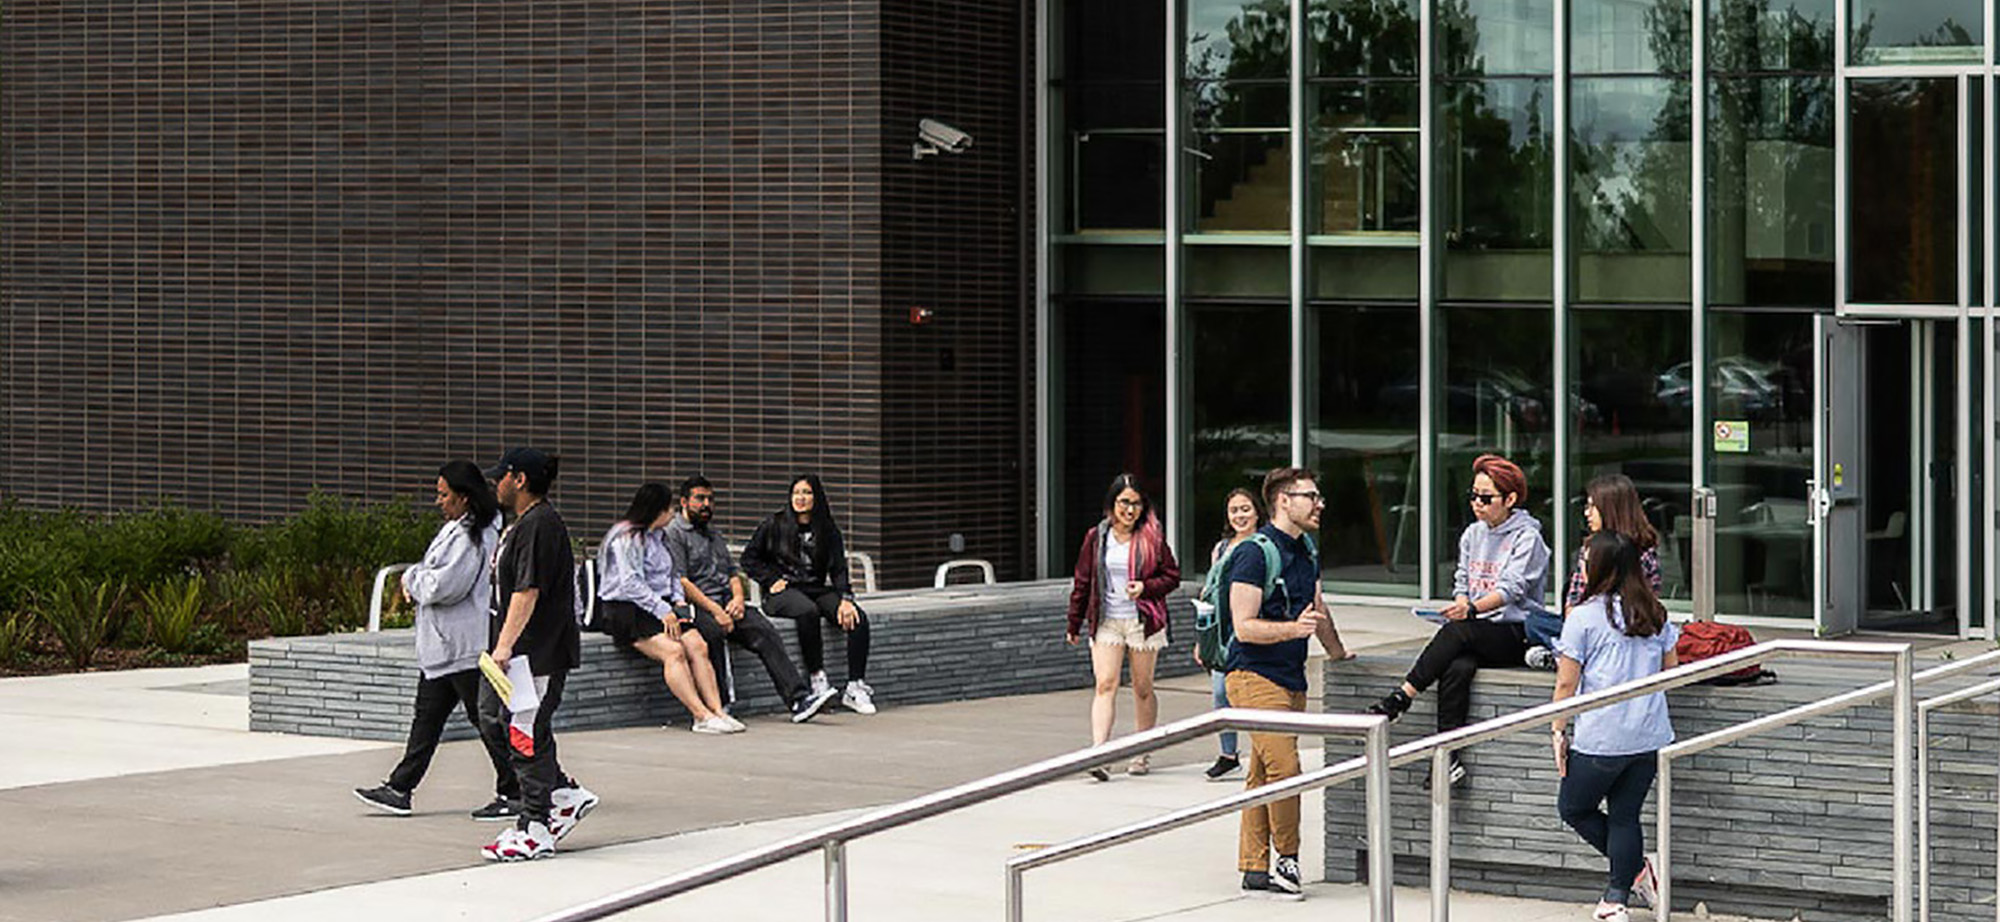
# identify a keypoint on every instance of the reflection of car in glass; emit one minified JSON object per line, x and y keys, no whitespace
{"x":1743,"y":385}
{"x":1503,"y":390}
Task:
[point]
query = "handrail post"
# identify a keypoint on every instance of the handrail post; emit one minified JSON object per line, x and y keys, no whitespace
{"x":1906,"y":707}
{"x":836,"y":882}
{"x":1381,"y":860}
{"x":1923,"y":815}
{"x":1016,"y":907}
{"x":375,"y":595}
{"x":1663,"y":869}
{"x":1440,"y":835}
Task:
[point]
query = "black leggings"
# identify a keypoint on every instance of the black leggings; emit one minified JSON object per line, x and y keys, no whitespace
{"x":1455,"y":653}
{"x":808,"y":607}
{"x":436,"y":699}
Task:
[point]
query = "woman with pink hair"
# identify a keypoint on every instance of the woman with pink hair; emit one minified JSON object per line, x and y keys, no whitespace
{"x":1119,"y":600}
{"x":1502,"y":574}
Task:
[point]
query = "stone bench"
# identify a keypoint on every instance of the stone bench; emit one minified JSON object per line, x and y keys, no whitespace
{"x":1794,"y":821}
{"x":929,"y":645}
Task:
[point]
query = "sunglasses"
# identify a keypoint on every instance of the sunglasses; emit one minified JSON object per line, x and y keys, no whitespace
{"x":1483,"y":499}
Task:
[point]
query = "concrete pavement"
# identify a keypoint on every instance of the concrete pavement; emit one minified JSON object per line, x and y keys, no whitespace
{"x":141,"y":796}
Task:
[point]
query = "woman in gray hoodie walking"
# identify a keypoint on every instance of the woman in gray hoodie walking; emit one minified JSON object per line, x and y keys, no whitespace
{"x":1503,"y":572}
{"x":451,"y":588}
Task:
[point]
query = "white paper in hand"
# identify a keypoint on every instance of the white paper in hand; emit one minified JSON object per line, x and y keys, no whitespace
{"x":525,"y":698}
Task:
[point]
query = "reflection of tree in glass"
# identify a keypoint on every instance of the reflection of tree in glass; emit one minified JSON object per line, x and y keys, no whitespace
{"x":1357,"y":37}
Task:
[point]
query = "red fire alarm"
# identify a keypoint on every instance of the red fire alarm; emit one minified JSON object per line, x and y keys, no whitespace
{"x":920,"y":315}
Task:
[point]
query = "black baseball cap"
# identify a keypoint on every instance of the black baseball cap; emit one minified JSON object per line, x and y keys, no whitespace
{"x":529,"y":461}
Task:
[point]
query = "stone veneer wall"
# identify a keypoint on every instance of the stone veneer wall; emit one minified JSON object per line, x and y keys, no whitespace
{"x":1796,"y":821}
{"x":929,"y":646}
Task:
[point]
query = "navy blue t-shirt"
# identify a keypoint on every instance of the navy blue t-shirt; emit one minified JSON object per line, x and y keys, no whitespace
{"x":1283,"y":663}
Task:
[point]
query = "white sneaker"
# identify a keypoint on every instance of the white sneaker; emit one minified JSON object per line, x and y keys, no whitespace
{"x":1285,"y":874}
{"x":514,"y":844}
{"x":858,"y":697}
{"x":820,"y":683}
{"x":713,"y":726}
{"x":1647,"y":885}
{"x":1611,"y":912}
{"x":568,"y":807}
{"x":1539,"y":657}
{"x":735,"y":726}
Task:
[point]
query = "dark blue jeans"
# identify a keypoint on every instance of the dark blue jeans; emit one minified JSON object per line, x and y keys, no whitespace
{"x":1620,"y":784}
{"x":1543,"y":627}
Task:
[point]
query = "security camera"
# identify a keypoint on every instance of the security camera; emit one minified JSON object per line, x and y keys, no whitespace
{"x":934,"y":136}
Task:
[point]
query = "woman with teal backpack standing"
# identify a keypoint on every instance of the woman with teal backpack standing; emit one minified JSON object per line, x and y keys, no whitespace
{"x":1243,"y":517}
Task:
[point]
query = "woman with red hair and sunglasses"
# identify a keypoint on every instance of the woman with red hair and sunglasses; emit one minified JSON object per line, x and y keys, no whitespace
{"x":1502,"y":574}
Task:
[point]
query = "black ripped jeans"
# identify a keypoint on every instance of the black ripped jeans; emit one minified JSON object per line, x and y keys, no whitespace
{"x":1456,"y":652}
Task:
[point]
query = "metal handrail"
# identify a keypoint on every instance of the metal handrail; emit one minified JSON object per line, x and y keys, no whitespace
{"x":1924,"y":709}
{"x":832,"y":840}
{"x":1663,"y":869}
{"x":944,"y":570}
{"x":1440,"y":747}
{"x":375,"y":595}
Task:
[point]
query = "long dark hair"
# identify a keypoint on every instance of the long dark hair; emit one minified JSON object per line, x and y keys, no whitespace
{"x":1617,"y":502}
{"x":1120,"y":484}
{"x":825,"y":531}
{"x":1611,"y":564}
{"x":647,"y":504}
{"x":1228,"y":530}
{"x":481,"y":507}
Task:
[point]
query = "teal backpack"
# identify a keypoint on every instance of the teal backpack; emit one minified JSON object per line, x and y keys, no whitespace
{"x":1215,"y":630}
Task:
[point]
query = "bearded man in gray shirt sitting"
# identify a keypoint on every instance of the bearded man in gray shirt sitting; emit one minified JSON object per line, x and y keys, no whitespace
{"x":713,"y":582}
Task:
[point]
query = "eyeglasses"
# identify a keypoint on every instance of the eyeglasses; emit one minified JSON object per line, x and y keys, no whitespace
{"x":1311,"y":496}
{"x":1483,"y":499}
{"x":1131,"y":503}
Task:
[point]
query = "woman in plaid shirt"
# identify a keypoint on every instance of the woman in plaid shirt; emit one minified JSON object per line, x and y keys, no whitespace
{"x":1611,"y":504}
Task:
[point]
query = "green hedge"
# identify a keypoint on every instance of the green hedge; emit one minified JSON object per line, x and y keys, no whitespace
{"x":172,"y":585}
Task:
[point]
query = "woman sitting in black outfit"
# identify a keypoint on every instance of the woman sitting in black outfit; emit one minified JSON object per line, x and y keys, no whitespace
{"x":798,"y":557}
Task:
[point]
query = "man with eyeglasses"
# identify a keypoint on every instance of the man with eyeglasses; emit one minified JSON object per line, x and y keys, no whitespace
{"x":1267,"y":667}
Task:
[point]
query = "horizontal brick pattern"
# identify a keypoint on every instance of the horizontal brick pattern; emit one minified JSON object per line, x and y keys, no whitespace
{"x":928,"y":646}
{"x":1794,"y":821}
{"x":256,"y":247}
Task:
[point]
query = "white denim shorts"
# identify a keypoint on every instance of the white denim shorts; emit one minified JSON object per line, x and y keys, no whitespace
{"x":1127,"y":632}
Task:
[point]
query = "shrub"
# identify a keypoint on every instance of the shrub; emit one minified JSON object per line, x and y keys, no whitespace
{"x":333,"y":531}
{"x":15,"y":631}
{"x":80,"y":613}
{"x":171,"y":610}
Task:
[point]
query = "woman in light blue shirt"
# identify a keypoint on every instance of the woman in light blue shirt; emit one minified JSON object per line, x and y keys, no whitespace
{"x":1619,"y":633}
{"x":636,"y":591}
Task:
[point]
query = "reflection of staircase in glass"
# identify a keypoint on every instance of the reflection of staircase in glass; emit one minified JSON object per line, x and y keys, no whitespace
{"x":1259,"y":202}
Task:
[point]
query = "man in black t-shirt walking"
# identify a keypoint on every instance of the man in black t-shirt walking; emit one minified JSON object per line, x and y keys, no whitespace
{"x":533,"y":616}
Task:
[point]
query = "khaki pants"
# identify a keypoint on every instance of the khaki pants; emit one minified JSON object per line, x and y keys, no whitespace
{"x":1273,"y":757}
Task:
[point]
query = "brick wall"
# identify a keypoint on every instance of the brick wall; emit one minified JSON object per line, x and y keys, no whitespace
{"x":1796,"y":821}
{"x":255,"y":247}
{"x":927,"y":646}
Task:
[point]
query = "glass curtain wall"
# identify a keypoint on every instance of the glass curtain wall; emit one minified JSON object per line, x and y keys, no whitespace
{"x":1107,"y":159}
{"x":1364,"y":375}
{"x":1614,"y":276}
{"x":1770,"y":225}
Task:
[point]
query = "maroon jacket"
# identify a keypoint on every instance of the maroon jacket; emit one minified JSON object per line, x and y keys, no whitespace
{"x":1153,"y":565}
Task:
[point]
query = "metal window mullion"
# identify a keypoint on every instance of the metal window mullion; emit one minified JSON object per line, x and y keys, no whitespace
{"x":1171,"y":284}
{"x":1988,"y":516}
{"x":1698,"y":250}
{"x":1298,"y":245}
{"x":1559,"y":292}
{"x":1045,"y":461}
{"x":1840,"y":51}
{"x":1426,"y":300}
{"x":1962,"y":437}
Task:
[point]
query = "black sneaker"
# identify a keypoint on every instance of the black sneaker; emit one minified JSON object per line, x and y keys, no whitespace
{"x":501,"y":810}
{"x":810,"y":702}
{"x":1285,"y":874}
{"x":1456,"y":774}
{"x":1259,"y":883}
{"x":1392,"y":705}
{"x":1100,"y":773}
{"x":385,"y":798}
{"x":1224,"y":767}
